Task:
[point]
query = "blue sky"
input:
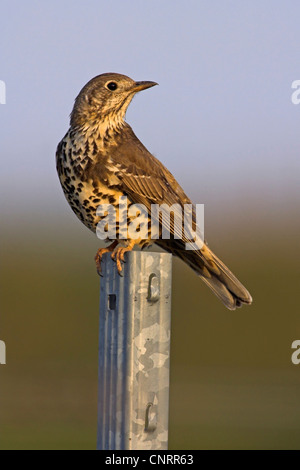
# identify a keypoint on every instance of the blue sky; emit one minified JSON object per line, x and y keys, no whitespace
{"x":221,"y":119}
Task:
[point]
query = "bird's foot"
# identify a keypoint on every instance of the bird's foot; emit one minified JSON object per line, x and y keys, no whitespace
{"x":118,"y":255}
{"x":101,"y":252}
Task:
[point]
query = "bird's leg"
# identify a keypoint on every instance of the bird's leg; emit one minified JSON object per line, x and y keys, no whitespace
{"x":119,"y":252}
{"x":101,"y":252}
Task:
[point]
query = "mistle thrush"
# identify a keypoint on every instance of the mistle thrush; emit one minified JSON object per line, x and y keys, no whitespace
{"x":100,"y":160}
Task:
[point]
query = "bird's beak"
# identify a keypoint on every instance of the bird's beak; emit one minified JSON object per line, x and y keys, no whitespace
{"x":139,"y":86}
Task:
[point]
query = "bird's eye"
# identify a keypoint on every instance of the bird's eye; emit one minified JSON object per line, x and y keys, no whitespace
{"x":112,"y":86}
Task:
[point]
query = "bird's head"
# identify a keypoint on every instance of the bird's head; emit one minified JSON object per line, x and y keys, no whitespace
{"x":105,"y":98}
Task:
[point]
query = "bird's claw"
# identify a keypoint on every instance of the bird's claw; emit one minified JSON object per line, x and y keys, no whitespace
{"x":118,"y":256}
{"x":99,"y":255}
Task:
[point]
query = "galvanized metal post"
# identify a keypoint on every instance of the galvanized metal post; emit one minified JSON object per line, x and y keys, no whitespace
{"x":134,"y":352}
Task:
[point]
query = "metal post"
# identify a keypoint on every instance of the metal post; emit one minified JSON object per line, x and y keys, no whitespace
{"x":134,"y":352}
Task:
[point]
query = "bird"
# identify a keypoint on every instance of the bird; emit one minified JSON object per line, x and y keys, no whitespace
{"x":100,"y":160}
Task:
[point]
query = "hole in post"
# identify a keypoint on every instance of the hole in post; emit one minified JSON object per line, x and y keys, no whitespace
{"x":112,"y":301}
{"x":150,"y":424}
{"x":153,"y":288}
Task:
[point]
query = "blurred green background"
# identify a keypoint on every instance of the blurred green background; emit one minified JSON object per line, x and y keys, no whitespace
{"x":223,"y":122}
{"x":233,"y":384}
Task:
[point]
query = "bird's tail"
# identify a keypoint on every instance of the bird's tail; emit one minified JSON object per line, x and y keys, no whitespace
{"x":217,"y":276}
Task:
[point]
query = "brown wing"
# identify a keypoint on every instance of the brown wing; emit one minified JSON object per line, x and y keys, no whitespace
{"x":146,"y":181}
{"x":143,"y":176}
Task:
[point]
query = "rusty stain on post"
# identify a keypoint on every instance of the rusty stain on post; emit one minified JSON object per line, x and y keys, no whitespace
{"x":134,"y":353}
